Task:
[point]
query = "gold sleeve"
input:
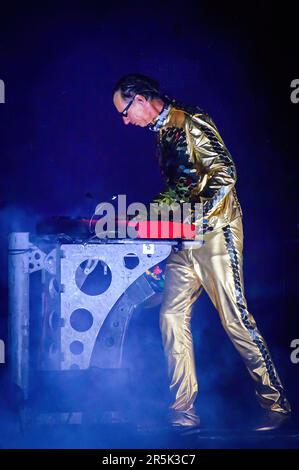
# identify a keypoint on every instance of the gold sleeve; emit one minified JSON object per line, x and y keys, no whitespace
{"x":216,"y":169}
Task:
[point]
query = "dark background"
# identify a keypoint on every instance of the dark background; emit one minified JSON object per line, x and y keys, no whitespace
{"x":61,"y":139}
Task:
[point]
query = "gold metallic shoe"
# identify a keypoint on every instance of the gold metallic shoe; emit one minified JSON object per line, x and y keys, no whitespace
{"x":273,"y":420}
{"x":179,"y":418}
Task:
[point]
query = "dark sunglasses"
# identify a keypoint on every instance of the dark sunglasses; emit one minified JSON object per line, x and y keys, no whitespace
{"x":125,"y":111}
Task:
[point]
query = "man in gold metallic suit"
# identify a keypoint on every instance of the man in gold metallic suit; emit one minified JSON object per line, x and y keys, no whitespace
{"x":198,"y":167}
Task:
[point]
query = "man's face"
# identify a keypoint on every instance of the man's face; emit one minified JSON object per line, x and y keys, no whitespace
{"x":139,"y":113}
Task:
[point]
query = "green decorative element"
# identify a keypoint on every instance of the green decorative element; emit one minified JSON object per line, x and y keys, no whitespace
{"x":180,"y":193}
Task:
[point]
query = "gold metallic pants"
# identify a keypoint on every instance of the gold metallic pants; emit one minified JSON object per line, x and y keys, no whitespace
{"x":216,"y":267}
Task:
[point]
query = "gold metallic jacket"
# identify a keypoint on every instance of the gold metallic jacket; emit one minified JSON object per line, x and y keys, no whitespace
{"x":197,"y":166}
